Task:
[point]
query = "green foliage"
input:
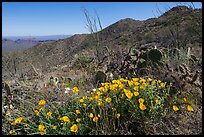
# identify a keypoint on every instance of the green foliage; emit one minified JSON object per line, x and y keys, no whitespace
{"x":155,"y":55}
{"x":100,"y":77}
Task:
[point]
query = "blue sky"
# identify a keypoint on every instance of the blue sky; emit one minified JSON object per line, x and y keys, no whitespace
{"x":57,"y":18}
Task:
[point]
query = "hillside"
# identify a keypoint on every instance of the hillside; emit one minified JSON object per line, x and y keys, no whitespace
{"x":180,"y":26}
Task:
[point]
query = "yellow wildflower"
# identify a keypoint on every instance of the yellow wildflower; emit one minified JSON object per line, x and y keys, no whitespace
{"x":11,"y":131}
{"x":142,"y":86}
{"x":130,"y":83}
{"x":136,"y":93}
{"x":118,"y":115}
{"x":141,"y":100}
{"x":159,"y":81}
{"x":54,"y":127}
{"x":97,"y":97}
{"x":100,"y":103}
{"x":25,"y":125}
{"x":91,"y":98}
{"x":142,"y":106}
{"x":95,"y":119}
{"x":190,"y":108}
{"x":81,"y":100}
{"x":135,"y":79}
{"x":108,"y":100}
{"x":175,"y":108}
{"x":49,"y":114}
{"x":85,"y":105}
{"x":78,"y":120}
{"x":98,"y":93}
{"x":162,"y":84}
{"x":41,"y":109}
{"x":41,"y":102}
{"x":65,"y":119}
{"x":99,"y":115}
{"x":91,"y":115}
{"x":75,"y":90}
{"x":121,"y":86}
{"x":185,"y":100}
{"x":84,"y":97}
{"x":74,"y":128}
{"x":18,"y":120}
{"x":136,"y":88}
{"x":37,"y":112}
{"x":77,"y":112}
{"x":129,"y":94}
{"x":149,"y":79}
{"x":41,"y":128}
{"x":156,"y":100}
{"x":11,"y":106}
{"x":103,"y":89}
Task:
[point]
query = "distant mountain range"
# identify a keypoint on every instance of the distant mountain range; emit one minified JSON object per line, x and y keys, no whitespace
{"x":21,"y":43}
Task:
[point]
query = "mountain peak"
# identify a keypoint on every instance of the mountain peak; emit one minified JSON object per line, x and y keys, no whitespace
{"x":177,"y":9}
{"x":180,"y":8}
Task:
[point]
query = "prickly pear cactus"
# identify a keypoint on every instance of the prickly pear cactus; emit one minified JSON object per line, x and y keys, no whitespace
{"x":155,"y":55}
{"x":100,"y":77}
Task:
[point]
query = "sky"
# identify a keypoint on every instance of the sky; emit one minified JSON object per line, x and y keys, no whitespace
{"x":67,"y":18}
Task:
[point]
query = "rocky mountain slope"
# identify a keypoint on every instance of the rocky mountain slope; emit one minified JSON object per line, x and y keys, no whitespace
{"x":180,"y":26}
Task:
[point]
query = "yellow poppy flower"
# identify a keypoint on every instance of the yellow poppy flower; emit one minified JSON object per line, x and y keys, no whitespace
{"x":78,"y":120}
{"x":41,"y":109}
{"x":65,"y":119}
{"x":37,"y":112}
{"x":149,"y":79}
{"x":54,"y":127}
{"x":91,"y":115}
{"x":49,"y":114}
{"x":77,"y":112}
{"x":175,"y":108}
{"x":162,"y":84}
{"x":42,"y":102}
{"x":130,"y":83}
{"x":95,"y":119}
{"x":84,"y":97}
{"x":141,"y":100}
{"x":118,"y":115}
{"x":74,"y":128}
{"x":85,"y":105}
{"x":136,"y":88}
{"x":81,"y":101}
{"x":100,"y":103}
{"x":190,"y":108}
{"x":12,"y":131}
{"x":185,"y":100}
{"x":18,"y":120}
{"x":129,"y":94}
{"x":75,"y":90}
{"x":136,"y":93}
{"x":41,"y":127}
{"x":108,"y":100}
{"x":142,"y":106}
